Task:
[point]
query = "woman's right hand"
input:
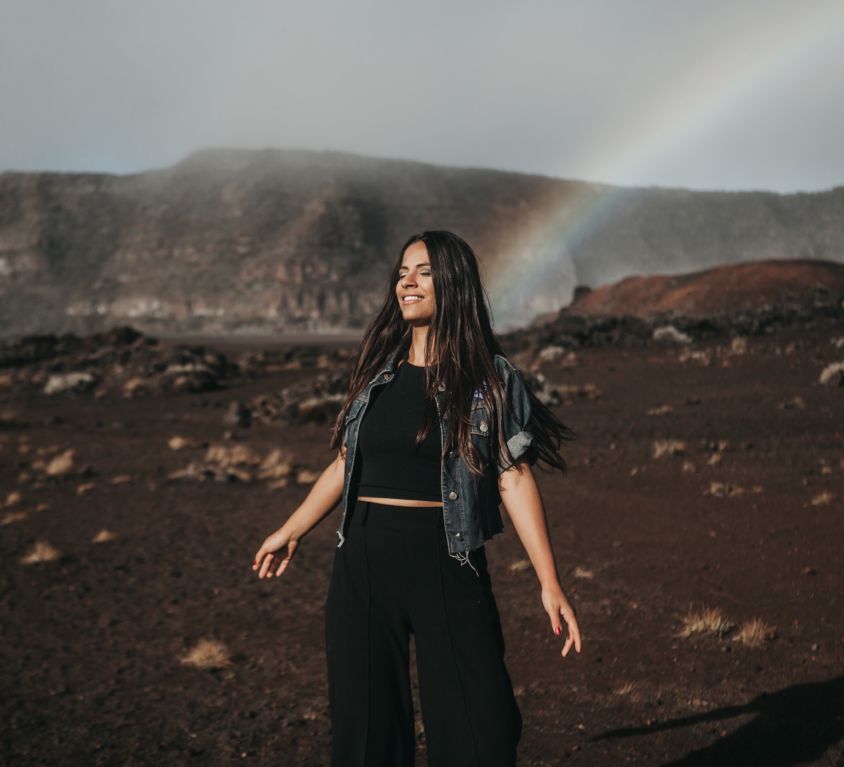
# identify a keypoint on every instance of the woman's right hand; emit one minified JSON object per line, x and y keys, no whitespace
{"x":275,"y":554}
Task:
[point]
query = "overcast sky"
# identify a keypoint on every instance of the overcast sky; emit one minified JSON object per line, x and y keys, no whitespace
{"x":722,"y":94}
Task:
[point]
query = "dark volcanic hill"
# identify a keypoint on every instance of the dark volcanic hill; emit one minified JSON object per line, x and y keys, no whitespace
{"x":719,"y":290}
{"x":277,"y":241}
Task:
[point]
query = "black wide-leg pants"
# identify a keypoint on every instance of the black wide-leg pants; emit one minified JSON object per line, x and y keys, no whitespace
{"x":391,"y":578}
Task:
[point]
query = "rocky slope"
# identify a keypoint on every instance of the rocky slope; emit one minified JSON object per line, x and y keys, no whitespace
{"x":275,"y":241}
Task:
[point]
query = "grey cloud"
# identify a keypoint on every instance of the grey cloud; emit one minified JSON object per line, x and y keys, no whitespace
{"x":619,"y":92}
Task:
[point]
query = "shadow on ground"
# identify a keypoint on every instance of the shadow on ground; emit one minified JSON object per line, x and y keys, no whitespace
{"x":795,"y":725}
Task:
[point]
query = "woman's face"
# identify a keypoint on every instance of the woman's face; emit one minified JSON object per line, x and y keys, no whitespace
{"x":415,"y":287}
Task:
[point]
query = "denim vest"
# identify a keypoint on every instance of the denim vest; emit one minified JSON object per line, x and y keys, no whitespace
{"x":470,"y":503}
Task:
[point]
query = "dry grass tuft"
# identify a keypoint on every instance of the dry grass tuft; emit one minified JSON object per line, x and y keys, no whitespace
{"x":707,"y":620}
{"x":738,"y":345}
{"x":41,"y":551}
{"x":307,"y":476}
{"x":724,"y":489}
{"x":822,"y":499}
{"x":61,"y":464}
{"x":696,"y":355}
{"x":832,"y":375}
{"x":582,"y":572}
{"x":663,"y":447}
{"x":277,"y":464}
{"x":10,"y":517}
{"x":207,"y":654}
{"x":795,"y":403}
{"x":519,"y":565}
{"x":178,"y":442}
{"x":754,"y":632}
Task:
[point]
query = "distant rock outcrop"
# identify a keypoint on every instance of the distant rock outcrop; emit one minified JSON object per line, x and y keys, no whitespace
{"x":121,"y":361}
{"x":723,"y":289}
{"x":726,"y":302}
{"x":275,"y":241}
{"x":124,"y":363}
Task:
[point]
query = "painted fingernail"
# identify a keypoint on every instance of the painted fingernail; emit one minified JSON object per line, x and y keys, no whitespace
{"x":558,"y":631}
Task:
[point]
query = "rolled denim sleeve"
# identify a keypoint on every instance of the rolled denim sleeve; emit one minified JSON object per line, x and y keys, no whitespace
{"x":517,"y":422}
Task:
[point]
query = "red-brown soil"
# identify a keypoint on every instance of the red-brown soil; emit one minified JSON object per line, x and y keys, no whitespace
{"x":91,"y":641}
{"x":724,"y":288}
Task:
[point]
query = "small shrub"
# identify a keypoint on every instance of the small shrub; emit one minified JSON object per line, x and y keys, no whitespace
{"x":207,"y":654}
{"x":41,"y":551}
{"x":707,"y":620}
{"x":754,"y":632}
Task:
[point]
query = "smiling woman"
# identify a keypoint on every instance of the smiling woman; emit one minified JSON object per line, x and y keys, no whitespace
{"x":438,"y":430}
{"x":415,"y":286}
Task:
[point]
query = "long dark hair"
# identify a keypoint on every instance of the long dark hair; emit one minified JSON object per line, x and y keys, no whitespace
{"x":460,"y":347}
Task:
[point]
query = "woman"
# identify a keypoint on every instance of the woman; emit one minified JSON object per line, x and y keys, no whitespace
{"x":438,"y":430}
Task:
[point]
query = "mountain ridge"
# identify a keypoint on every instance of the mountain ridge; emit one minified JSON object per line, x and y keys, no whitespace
{"x":272,"y":241}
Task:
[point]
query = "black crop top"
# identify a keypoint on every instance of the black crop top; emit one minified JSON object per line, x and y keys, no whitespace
{"x":389,"y":464}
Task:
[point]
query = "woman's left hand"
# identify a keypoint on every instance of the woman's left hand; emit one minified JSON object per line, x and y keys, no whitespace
{"x":556,"y":604}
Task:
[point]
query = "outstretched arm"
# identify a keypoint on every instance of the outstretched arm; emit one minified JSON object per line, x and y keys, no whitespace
{"x":523,"y":502}
{"x":323,"y":497}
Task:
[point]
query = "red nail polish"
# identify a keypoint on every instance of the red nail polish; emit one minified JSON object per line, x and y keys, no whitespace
{"x":558,"y":631}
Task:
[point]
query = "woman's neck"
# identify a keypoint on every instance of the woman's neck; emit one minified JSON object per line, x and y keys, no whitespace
{"x":407,"y":361}
{"x":416,"y":348}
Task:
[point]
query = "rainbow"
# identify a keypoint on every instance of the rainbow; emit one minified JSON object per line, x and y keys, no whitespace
{"x":691,"y":105}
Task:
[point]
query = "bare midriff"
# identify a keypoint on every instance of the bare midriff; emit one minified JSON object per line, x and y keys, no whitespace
{"x":399,"y":501}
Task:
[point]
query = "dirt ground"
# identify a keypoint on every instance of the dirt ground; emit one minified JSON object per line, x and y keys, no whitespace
{"x":91,"y":640}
